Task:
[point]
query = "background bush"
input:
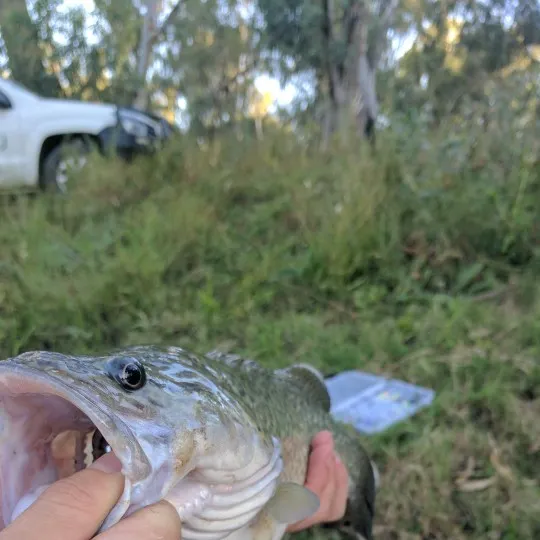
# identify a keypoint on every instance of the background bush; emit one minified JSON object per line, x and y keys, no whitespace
{"x":418,"y":260}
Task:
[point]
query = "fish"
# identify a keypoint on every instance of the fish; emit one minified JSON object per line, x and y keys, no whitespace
{"x":221,"y":437}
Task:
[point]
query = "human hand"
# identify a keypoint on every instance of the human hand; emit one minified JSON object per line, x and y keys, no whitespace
{"x":75,"y":507}
{"x":327,"y":477}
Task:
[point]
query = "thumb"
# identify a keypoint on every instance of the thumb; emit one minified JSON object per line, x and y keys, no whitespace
{"x":72,"y":508}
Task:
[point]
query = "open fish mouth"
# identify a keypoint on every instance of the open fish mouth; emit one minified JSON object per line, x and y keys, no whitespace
{"x":48,"y":431}
{"x":51,"y":427}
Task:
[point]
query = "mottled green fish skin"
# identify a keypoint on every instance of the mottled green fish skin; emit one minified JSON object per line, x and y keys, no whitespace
{"x":292,"y":404}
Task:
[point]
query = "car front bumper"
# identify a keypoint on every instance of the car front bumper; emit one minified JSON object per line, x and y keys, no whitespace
{"x":117,"y":140}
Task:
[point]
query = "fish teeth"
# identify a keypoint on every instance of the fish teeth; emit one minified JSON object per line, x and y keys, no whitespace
{"x":88,"y":450}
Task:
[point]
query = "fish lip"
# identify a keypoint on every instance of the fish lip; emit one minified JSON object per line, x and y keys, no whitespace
{"x":117,"y":433}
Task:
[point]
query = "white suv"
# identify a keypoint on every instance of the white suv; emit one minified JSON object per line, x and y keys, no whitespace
{"x":36,"y":134}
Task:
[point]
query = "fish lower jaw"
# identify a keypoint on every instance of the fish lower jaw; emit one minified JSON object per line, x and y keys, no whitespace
{"x":212,"y":510}
{"x":29,"y":498}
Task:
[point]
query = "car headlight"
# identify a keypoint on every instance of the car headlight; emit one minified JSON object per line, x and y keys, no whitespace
{"x":145,"y":128}
{"x":135,"y":128}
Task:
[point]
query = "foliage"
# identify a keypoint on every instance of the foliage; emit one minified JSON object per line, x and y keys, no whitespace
{"x":205,"y":57}
{"x":199,"y":54}
{"x":417,"y":261}
{"x":460,"y":50}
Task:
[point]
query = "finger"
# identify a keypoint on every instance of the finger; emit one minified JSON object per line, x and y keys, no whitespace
{"x":323,"y":438}
{"x":322,"y":482}
{"x":319,"y":468}
{"x":341,"y":494}
{"x":157,"y":522}
{"x":326,"y":493}
{"x":72,"y":508}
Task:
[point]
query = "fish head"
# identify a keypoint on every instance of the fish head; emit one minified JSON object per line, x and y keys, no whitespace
{"x":178,"y":433}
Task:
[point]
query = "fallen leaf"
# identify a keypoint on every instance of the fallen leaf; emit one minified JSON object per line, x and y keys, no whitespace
{"x":495,"y":459}
{"x":477,"y":485}
{"x":480,"y":333}
{"x":534,"y":448}
{"x":467,"y":472}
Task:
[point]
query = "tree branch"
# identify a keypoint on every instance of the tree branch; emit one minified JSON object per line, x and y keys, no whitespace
{"x":328,"y":32}
{"x":385,"y":20}
{"x":157,"y":33}
{"x":146,"y":45}
{"x":387,"y":12}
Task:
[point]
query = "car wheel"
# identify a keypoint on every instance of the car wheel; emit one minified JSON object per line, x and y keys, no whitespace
{"x":62,"y":163}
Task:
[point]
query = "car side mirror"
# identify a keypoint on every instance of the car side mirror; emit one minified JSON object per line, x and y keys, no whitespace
{"x":4,"y":102}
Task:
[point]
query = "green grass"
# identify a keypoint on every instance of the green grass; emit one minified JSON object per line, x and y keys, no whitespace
{"x":418,"y":264}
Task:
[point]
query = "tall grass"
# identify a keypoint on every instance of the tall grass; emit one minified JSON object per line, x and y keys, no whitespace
{"x":418,"y":260}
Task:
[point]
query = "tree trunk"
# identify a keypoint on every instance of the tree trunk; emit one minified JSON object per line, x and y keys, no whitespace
{"x":25,"y":57}
{"x":144,"y":52}
{"x":352,"y":95}
{"x":149,"y":35}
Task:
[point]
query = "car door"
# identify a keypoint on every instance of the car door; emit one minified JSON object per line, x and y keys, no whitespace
{"x":11,"y":143}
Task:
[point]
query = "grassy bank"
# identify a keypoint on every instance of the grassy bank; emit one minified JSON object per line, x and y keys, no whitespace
{"x":419,"y":263}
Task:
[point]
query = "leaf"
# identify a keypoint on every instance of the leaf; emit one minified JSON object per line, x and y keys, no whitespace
{"x":534,"y":51}
{"x":477,"y":485}
{"x":468,"y":275}
{"x":495,"y":458}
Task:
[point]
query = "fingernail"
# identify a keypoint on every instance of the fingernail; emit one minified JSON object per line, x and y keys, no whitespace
{"x":323,"y":438}
{"x":338,"y":460}
{"x":108,"y":463}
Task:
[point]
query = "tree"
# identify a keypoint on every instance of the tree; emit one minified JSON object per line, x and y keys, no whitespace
{"x":460,"y":50}
{"x":342,"y":41}
{"x":23,"y":46}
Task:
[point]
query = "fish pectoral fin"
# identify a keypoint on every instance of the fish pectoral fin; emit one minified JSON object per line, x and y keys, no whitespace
{"x":292,"y":503}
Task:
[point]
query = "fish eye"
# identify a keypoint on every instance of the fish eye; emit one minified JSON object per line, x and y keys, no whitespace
{"x":128,"y":373}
